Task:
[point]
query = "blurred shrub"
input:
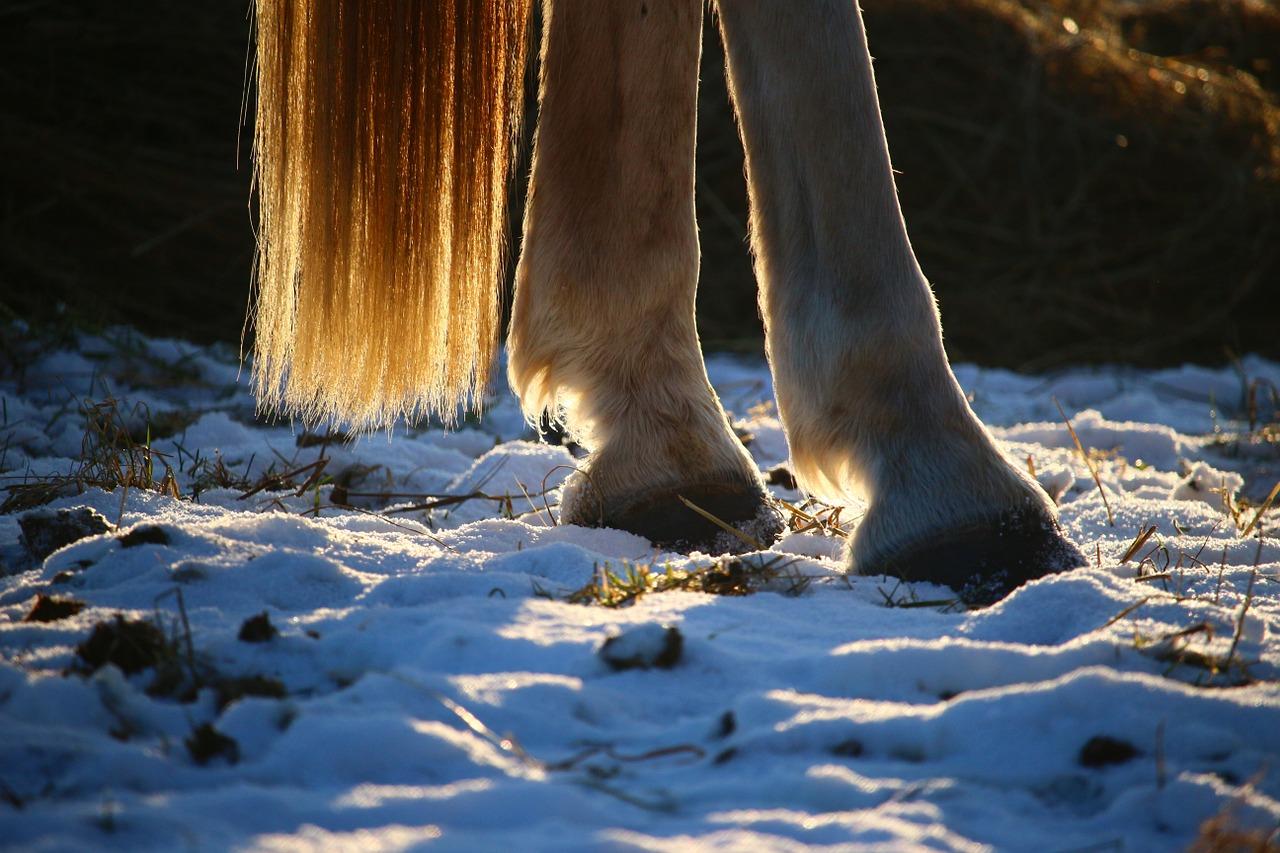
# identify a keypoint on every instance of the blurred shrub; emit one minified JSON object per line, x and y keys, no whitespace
{"x":1084,"y":180}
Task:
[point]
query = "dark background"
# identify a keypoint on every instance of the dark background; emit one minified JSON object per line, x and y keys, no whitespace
{"x":1083,"y":180}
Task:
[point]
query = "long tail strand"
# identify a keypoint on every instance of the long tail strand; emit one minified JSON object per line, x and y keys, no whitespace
{"x":384,"y":141}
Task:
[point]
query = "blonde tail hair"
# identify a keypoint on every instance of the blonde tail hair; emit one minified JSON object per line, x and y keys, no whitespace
{"x":384,"y":140}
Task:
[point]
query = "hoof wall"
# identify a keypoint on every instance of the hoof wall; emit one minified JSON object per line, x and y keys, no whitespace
{"x":985,"y":562}
{"x":667,"y":522}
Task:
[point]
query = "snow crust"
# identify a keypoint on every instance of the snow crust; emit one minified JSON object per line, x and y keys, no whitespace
{"x":442,"y":694}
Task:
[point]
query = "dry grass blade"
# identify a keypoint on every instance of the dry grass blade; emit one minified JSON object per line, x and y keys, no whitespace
{"x":1123,"y":613}
{"x":1248,"y":599}
{"x":1266,"y":505}
{"x":507,"y":744}
{"x":1141,"y":539}
{"x":723,"y":525}
{"x":1093,"y":470}
{"x":115,"y":453}
{"x":812,"y":520}
{"x":550,"y":519}
{"x":1137,"y":543}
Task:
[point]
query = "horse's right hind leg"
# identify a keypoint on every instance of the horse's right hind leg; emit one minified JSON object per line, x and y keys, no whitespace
{"x":603,"y":327}
{"x":868,"y":400}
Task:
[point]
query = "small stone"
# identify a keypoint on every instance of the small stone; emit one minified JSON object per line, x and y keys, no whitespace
{"x":644,"y":647}
{"x":45,"y":530}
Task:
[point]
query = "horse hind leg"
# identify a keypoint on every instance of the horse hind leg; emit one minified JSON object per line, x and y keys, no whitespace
{"x":603,"y":331}
{"x":865,"y":392}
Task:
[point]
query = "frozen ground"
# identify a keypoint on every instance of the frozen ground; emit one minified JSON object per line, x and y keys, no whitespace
{"x":431,"y":686}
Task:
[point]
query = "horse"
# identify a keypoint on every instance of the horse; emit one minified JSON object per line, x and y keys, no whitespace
{"x":385,"y":136}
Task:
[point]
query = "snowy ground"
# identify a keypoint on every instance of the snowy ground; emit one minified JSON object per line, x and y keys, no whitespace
{"x":430,"y":685}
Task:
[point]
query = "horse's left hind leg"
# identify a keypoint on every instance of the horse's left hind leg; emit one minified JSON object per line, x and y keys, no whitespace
{"x":603,"y":322}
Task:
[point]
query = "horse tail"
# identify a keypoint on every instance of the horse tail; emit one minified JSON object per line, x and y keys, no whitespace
{"x":383,"y":146}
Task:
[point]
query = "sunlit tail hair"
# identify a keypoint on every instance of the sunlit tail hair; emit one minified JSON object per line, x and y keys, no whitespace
{"x":384,"y":139}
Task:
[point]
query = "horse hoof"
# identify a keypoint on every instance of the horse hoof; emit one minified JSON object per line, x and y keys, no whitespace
{"x":669,"y":523}
{"x":985,"y":562}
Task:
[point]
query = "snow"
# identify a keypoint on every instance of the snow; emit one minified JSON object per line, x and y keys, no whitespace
{"x":442,"y":693}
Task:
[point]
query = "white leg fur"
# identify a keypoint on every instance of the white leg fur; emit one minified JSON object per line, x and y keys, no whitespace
{"x":603,"y":331}
{"x":868,"y":399}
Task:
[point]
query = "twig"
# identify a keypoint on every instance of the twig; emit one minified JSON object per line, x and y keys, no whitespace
{"x":934,"y":602}
{"x":555,"y":522}
{"x":572,"y":761}
{"x":176,"y":592}
{"x":279,"y":479}
{"x":1248,"y":599}
{"x":1160,"y":766}
{"x":586,"y":475}
{"x":315,"y":511}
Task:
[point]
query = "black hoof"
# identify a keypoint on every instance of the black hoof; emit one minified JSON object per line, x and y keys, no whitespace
{"x":668,"y":522}
{"x":985,"y":562}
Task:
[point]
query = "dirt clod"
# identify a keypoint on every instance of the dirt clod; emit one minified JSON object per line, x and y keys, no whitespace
{"x":729,"y":578}
{"x":207,"y":743}
{"x":258,"y":629}
{"x":231,"y":689}
{"x":45,"y":531}
{"x":725,"y":756}
{"x":51,"y":608}
{"x":130,"y":644}
{"x":644,"y":647}
{"x":851,"y":748}
{"x":1103,"y":751}
{"x":145,"y":534}
{"x":780,"y":475}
